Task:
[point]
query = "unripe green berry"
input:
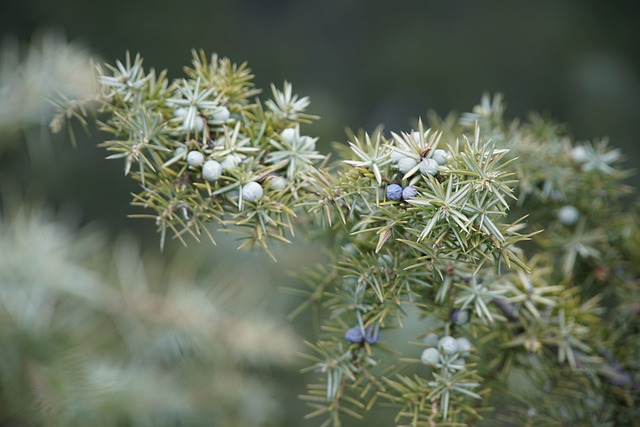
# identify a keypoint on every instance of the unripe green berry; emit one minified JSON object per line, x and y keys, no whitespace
{"x":221,"y":114}
{"x":195,"y":159}
{"x":396,"y":155}
{"x":448,"y":345}
{"x":430,"y":356}
{"x":308,"y":142}
{"x":464,"y":346}
{"x":431,"y":340}
{"x":277,"y":182}
{"x":230,"y":162}
{"x":211,"y":170}
{"x":441,"y":156}
{"x":579,"y":154}
{"x":197,"y":124}
{"x":429,"y":167}
{"x":405,"y":164}
{"x":288,"y":134}
{"x":568,"y":215}
{"x":252,"y":191}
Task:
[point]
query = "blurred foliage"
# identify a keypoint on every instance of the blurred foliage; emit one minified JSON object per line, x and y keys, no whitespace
{"x":93,"y":333}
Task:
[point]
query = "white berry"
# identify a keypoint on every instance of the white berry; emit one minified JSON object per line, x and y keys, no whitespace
{"x":405,"y":164}
{"x":252,"y":191}
{"x":195,"y":159}
{"x":431,"y":340}
{"x":430,"y":356}
{"x":464,"y":346}
{"x":211,"y":170}
{"x":448,"y":344}
{"x":277,"y":182}
{"x":221,"y":114}
{"x":180,"y":112}
{"x":429,"y":167}
{"x":441,"y":156}
{"x":288,"y":134}
{"x":579,"y":154}
{"x":230,"y":162}
{"x":568,"y":215}
{"x":308,"y":143}
{"x":196,"y":124}
{"x":396,"y":155}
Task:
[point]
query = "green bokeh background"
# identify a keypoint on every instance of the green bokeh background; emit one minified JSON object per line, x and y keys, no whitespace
{"x":362,"y":63}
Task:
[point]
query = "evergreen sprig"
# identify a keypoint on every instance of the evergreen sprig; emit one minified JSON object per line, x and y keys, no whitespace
{"x":509,"y":240}
{"x":158,"y":124}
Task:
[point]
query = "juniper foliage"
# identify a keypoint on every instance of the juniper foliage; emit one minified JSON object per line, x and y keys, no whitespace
{"x":511,"y":241}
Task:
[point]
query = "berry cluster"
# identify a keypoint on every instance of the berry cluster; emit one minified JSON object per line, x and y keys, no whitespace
{"x":205,"y":153}
{"x":395,"y":192}
{"x":445,"y":352}
{"x":415,"y":152}
{"x":212,"y":170}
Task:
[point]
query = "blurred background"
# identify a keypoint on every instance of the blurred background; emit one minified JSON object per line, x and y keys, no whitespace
{"x":362,"y":63}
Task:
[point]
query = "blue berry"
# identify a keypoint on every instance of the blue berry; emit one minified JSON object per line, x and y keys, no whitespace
{"x":372,"y":335}
{"x":409,"y":192}
{"x":354,"y":335}
{"x":394,"y":192}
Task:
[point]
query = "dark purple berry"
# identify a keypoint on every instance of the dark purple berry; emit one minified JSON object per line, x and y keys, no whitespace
{"x":394,"y":192}
{"x":354,"y":335}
